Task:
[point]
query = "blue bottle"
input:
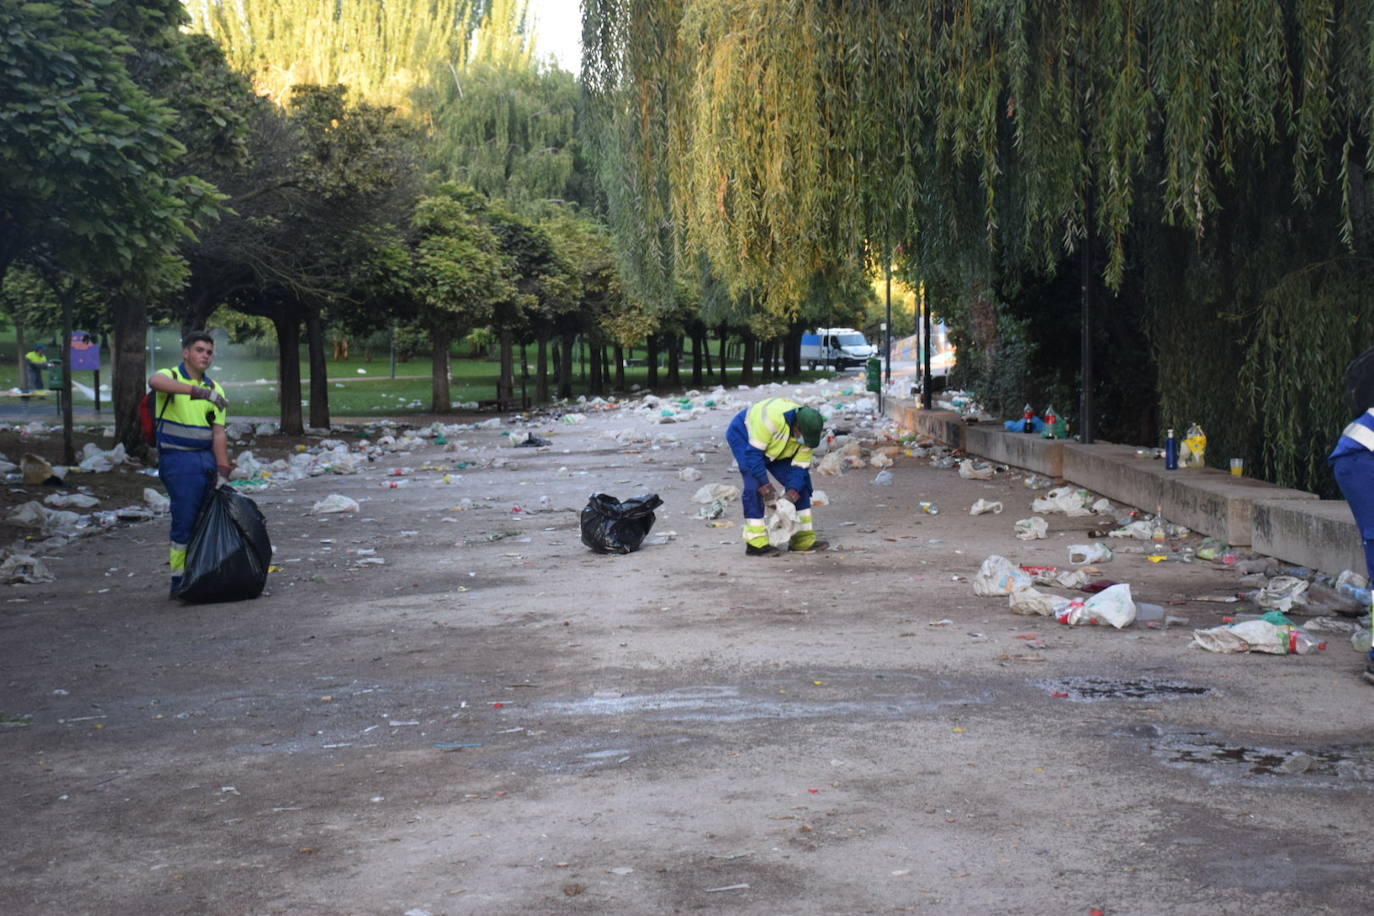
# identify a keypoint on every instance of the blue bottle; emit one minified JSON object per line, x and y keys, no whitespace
{"x":1170,"y":452}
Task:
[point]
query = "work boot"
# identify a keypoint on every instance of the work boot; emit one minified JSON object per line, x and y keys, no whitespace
{"x":767,"y":550}
{"x":805,"y":542}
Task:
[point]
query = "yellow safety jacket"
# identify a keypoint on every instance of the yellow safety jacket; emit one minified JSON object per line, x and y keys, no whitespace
{"x":770,"y":433}
{"x":36,"y":358}
{"x":186,"y":423}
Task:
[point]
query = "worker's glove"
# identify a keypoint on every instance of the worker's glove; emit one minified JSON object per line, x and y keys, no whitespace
{"x":222,"y":472}
{"x":791,"y":495}
{"x":201,"y":393}
{"x":767,"y":493}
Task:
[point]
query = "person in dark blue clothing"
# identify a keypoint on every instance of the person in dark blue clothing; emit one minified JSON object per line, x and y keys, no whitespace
{"x":1352,"y":461}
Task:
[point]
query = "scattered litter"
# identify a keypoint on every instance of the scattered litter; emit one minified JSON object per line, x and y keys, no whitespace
{"x":70,"y":501}
{"x":929,"y":508}
{"x":879,"y":460}
{"x":1089,"y":553}
{"x":884,"y":479}
{"x":716,"y":492}
{"x":1141,"y":531}
{"x":689,"y":474}
{"x":1032,"y":529}
{"x":334,"y":503}
{"x":832,"y":465}
{"x":985,"y":505}
{"x":156,"y":501}
{"x":1282,"y":593}
{"x":781,"y":521}
{"x":1031,"y":602}
{"x":999,"y":576}
{"x":819,"y":498}
{"x":1112,"y":606}
{"x":1257,"y":636}
{"x":23,"y":568}
{"x":969,"y":471}
{"x":1070,"y":501}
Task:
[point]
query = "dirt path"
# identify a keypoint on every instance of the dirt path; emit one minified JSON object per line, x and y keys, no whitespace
{"x":496,"y":720}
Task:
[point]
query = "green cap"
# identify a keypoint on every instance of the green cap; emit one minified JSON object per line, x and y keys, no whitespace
{"x":810,"y":423}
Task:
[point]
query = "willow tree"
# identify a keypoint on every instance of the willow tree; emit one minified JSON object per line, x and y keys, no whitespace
{"x":1210,"y":154}
{"x":381,"y":51}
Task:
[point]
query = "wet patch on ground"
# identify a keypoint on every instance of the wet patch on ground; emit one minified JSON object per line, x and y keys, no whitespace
{"x":1092,"y":689}
{"x":1219,"y":758}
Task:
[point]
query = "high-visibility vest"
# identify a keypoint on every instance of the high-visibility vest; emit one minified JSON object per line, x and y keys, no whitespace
{"x":769,"y":431}
{"x":186,"y":423}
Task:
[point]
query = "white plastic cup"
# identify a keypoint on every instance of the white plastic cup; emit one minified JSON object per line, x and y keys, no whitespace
{"x":1237,"y":467}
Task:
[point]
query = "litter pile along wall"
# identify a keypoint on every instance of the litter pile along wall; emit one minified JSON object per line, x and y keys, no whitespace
{"x":1293,"y":525}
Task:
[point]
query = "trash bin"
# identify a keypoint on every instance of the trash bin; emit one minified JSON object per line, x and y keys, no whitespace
{"x":875,"y":374}
{"x":54,"y":376}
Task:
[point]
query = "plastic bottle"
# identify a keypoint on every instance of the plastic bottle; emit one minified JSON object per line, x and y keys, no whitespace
{"x":1361,"y":596}
{"x":1360,"y":640}
{"x":930,"y":508}
{"x":1301,"y":642}
{"x":1050,"y":418}
{"x":1028,"y":419}
{"x":1170,"y":451}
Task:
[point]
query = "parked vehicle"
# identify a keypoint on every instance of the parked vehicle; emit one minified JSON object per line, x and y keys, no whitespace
{"x":838,"y":347}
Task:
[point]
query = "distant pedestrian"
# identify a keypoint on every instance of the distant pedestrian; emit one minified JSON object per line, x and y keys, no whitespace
{"x":192,"y":446}
{"x":776,"y":436}
{"x":35,"y":361}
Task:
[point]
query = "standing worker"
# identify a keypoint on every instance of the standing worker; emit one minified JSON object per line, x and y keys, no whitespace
{"x":776,"y":436}
{"x":1352,"y":461}
{"x":192,"y":446}
{"x":35,"y":361}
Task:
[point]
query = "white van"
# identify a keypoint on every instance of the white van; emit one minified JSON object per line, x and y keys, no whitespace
{"x":840,"y":347}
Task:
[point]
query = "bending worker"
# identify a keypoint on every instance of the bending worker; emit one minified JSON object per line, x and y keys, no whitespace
{"x":192,"y":447}
{"x":35,"y":361}
{"x":776,"y":436}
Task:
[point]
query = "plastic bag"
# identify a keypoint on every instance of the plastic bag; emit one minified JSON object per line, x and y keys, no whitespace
{"x":229,"y":551}
{"x":1089,"y":553}
{"x":985,"y":505}
{"x":781,"y":522}
{"x":1030,"y":602}
{"x":612,"y":526}
{"x":1111,"y":605}
{"x":999,"y":576}
{"x":334,"y":502}
{"x":969,"y":472}
{"x":1032,"y":529}
{"x":1254,"y":636}
{"x":1070,"y":501}
{"x":1192,"y":452}
{"x":832,"y":465}
{"x":880,"y":461}
{"x":1283,"y":593}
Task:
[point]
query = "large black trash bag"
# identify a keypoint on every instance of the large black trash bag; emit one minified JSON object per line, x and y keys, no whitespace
{"x":229,"y":552}
{"x":612,"y":526}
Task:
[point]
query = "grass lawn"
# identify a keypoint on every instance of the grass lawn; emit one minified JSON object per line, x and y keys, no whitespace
{"x":357,"y":387}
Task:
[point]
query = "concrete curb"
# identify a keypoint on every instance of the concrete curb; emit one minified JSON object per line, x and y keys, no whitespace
{"x":1293,"y":525}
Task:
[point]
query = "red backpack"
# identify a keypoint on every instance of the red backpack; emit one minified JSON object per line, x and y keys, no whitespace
{"x":148,"y":417}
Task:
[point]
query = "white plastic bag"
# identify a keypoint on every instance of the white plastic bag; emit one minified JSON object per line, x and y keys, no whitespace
{"x":334,"y":503}
{"x":1070,"y":501}
{"x":880,"y":461}
{"x":716,"y":492}
{"x":832,"y":465}
{"x":1283,"y":593}
{"x":1141,"y":531}
{"x":985,"y":505}
{"x":969,"y":472}
{"x":1247,"y":636}
{"x":999,"y":576}
{"x":1111,"y":606}
{"x":1089,"y":553}
{"x":1032,"y":529}
{"x":781,"y":521}
{"x":687,"y":473}
{"x":1030,"y":602}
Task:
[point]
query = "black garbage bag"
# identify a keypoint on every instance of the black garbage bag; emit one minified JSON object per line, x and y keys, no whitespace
{"x":612,"y":526}
{"x":229,"y":552}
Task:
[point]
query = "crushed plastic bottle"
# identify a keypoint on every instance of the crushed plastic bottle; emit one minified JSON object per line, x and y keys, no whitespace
{"x":930,"y":508}
{"x":884,"y":479}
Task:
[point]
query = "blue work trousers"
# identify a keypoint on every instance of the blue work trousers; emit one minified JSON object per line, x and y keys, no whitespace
{"x":188,"y":477}
{"x":788,"y":474}
{"x":1355,"y":476}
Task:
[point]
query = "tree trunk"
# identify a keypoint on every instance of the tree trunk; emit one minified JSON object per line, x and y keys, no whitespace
{"x":766,"y":358}
{"x":674,"y":360}
{"x":541,"y":372}
{"x":130,"y":373}
{"x":651,"y":362}
{"x":582,"y":360}
{"x":746,"y":369}
{"x":505,"y":385}
{"x":319,"y":372}
{"x":696,"y":356}
{"x":440,"y":392}
{"x":605,"y":368}
{"x":594,"y":376}
{"x":619,"y":368}
{"x":289,"y":374}
{"x":565,"y":345}
{"x":792,"y":357}
{"x":724,"y":333}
